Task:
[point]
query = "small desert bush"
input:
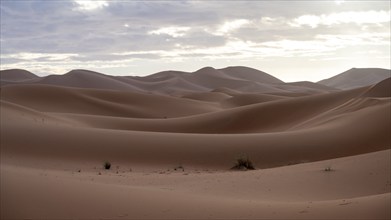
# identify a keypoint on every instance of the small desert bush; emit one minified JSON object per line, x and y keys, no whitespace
{"x":180,"y":167}
{"x":107,"y":165}
{"x":243,"y":163}
{"x":328,"y":169}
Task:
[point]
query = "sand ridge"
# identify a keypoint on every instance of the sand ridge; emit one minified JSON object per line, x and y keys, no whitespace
{"x":177,"y":83}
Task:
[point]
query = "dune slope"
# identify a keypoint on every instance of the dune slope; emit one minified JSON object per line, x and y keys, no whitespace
{"x":357,"y":77}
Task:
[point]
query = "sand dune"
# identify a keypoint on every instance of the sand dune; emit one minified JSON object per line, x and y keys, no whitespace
{"x":233,"y":72}
{"x":13,"y":76}
{"x":250,"y":74}
{"x":102,"y":102}
{"x":172,"y":138}
{"x":17,"y":75}
{"x":208,"y":96}
{"x":237,"y":79}
{"x":357,"y":77}
{"x":87,"y":79}
{"x":248,"y":99}
{"x":312,"y":86}
{"x":381,"y":89}
{"x":201,"y":136}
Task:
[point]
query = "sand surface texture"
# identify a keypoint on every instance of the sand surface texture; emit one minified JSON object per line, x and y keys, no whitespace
{"x":320,"y":151}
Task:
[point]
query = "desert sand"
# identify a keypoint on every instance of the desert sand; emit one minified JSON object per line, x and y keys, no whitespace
{"x":320,"y":152}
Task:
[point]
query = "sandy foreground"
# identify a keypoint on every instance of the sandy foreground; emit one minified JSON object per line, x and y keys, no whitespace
{"x":358,"y":188}
{"x":319,"y":155}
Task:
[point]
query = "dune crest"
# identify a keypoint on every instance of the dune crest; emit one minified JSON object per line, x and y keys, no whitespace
{"x":381,"y":89}
{"x":357,"y":77}
{"x":235,"y":78}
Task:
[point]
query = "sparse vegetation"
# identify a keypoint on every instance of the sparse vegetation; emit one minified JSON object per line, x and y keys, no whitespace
{"x":243,"y":163}
{"x":107,"y":165}
{"x":180,"y":167}
{"x":328,"y":169}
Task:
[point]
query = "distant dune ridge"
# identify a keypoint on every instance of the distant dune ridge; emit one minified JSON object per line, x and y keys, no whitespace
{"x":322,"y":150}
{"x":357,"y":77}
{"x":16,"y":75}
{"x":238,"y":78}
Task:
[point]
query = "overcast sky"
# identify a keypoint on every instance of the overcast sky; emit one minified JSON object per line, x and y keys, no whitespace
{"x":305,"y":40}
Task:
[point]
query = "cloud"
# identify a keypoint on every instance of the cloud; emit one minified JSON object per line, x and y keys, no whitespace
{"x":359,"y":18}
{"x":339,"y":2}
{"x":230,"y":26}
{"x":42,"y":56}
{"x":89,"y":5}
{"x":171,"y":31}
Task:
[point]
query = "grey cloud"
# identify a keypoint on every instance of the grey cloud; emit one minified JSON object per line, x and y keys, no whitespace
{"x":163,"y":13}
{"x":200,"y":55}
{"x":114,"y":57}
{"x":11,"y":60}
{"x":55,"y":27}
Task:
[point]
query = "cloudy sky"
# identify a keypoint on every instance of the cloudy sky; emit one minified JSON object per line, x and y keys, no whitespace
{"x":303,"y":40}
